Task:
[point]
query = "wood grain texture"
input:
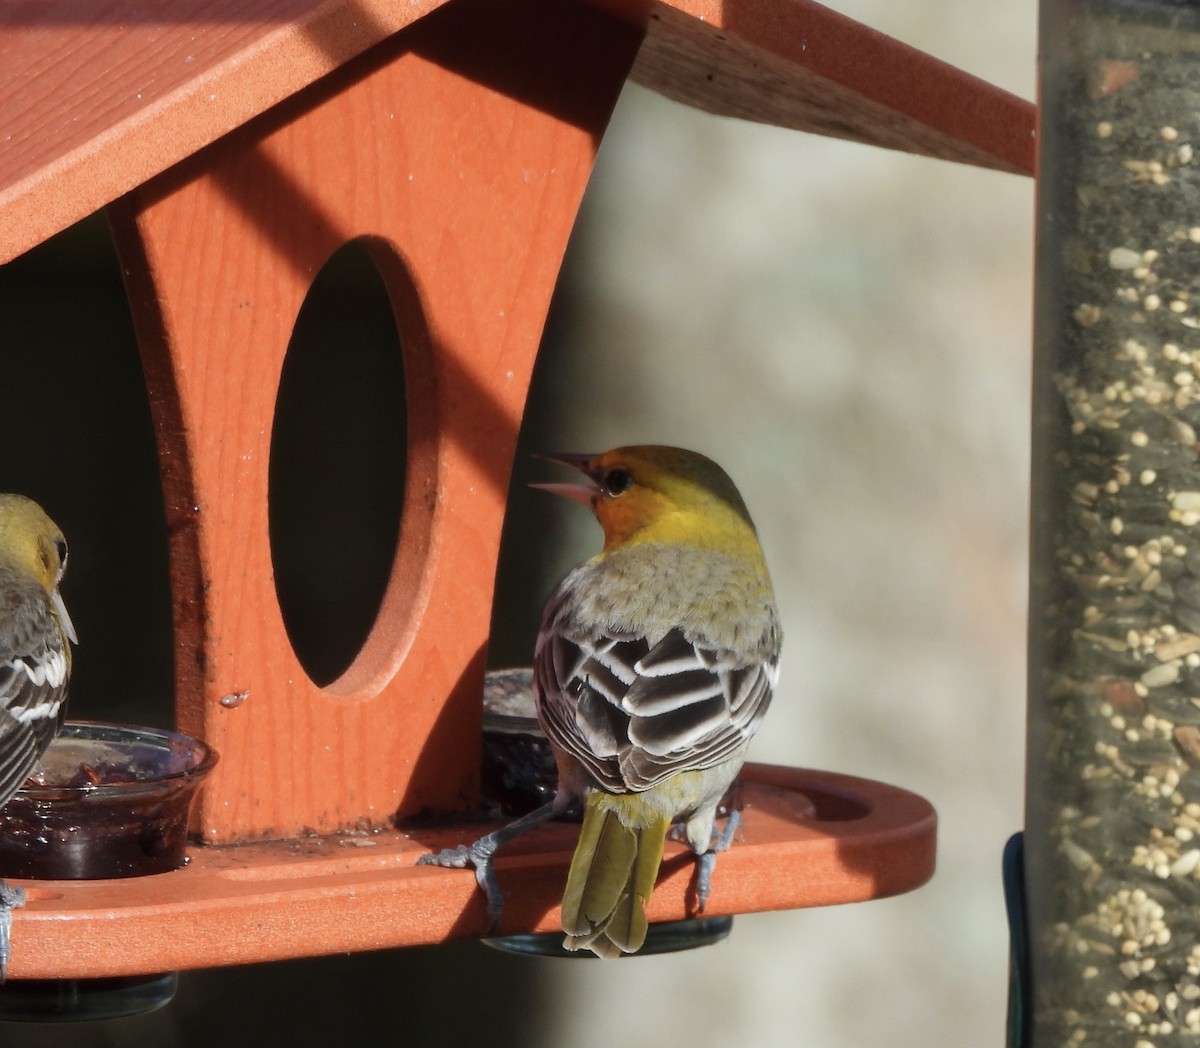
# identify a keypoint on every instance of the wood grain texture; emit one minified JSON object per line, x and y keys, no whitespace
{"x":800,"y":65}
{"x":262,"y":902}
{"x":459,"y":153}
{"x":456,"y":141}
{"x":99,"y":96}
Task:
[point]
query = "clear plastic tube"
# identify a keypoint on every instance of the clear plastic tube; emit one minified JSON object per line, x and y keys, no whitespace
{"x":1113,"y":842}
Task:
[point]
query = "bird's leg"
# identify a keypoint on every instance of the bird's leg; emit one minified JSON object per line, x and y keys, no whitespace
{"x":11,"y":898}
{"x":479,"y":853}
{"x":706,"y":861}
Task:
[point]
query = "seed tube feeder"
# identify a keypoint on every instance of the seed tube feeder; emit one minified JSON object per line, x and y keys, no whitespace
{"x":1113,"y":852}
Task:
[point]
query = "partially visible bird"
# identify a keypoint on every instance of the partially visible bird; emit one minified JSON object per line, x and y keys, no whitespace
{"x":653,"y":668}
{"x":35,"y":657}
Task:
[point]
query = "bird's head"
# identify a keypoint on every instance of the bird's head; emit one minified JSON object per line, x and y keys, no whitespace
{"x":35,"y":545}
{"x":652,"y":493}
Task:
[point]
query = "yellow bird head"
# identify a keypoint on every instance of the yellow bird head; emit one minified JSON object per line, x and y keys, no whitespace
{"x":653,"y":493}
{"x":33,"y":544}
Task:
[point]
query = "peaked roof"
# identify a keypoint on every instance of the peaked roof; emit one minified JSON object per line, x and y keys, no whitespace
{"x":98,"y":96}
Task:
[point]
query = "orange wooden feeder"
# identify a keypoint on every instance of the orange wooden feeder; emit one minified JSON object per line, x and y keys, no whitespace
{"x":456,"y":139}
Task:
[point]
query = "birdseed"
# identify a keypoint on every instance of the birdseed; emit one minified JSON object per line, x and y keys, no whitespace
{"x":1115,"y":621}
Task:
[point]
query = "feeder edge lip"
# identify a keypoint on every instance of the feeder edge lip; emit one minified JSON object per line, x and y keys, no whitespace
{"x":116,"y":732}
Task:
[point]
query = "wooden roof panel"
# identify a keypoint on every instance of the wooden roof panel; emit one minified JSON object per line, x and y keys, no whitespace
{"x":98,"y":96}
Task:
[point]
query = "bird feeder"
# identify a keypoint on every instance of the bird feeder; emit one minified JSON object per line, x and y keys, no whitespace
{"x":453,"y":141}
{"x":1113,"y":806}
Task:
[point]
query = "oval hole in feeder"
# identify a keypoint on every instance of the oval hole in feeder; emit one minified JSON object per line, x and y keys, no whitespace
{"x":338,"y":464}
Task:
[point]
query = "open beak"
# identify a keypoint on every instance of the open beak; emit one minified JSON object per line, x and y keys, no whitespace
{"x":585,"y":494}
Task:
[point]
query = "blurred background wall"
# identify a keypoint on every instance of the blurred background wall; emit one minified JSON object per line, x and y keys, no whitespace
{"x":847,"y":331}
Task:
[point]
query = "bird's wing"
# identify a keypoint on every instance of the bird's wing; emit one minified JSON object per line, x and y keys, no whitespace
{"x":33,"y":686}
{"x":580,"y":681}
{"x":633,"y":714}
{"x":691,"y":707}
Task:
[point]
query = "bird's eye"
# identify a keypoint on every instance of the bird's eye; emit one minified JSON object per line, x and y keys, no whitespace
{"x":617,"y":481}
{"x":60,"y":547}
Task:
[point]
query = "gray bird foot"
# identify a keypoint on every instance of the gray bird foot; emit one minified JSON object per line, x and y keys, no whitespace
{"x":706,"y":862}
{"x":479,"y":855}
{"x":11,"y":898}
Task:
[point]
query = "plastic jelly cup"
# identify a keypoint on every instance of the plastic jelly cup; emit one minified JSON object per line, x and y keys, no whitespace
{"x":112,"y":800}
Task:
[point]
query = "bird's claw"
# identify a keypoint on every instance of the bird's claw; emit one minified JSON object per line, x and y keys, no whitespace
{"x":11,"y":898}
{"x":706,"y":862}
{"x":477,"y":855}
{"x":451,"y":858}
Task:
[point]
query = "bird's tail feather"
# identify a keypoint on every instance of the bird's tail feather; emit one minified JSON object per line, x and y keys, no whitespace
{"x":612,"y":876}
